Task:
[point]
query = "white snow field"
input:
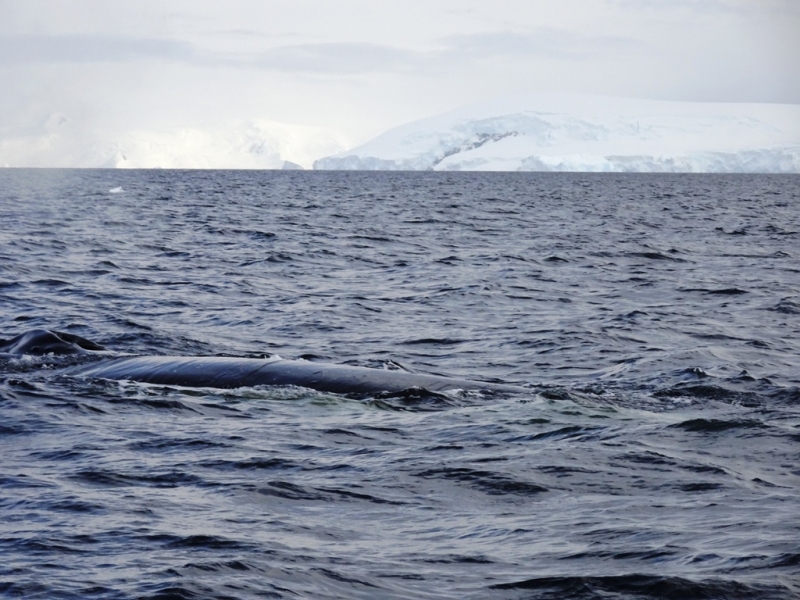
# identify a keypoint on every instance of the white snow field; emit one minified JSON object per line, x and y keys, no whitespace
{"x":570,"y":132}
{"x":254,"y":144}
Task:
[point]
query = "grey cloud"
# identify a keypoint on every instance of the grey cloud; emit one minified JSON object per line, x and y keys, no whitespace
{"x":311,"y":58}
{"x":326,"y":58}
{"x":544,"y":42}
{"x":705,"y":6}
{"x":336,"y":58}
{"x":21,"y":49}
{"x":352,"y":58}
{"x":711,"y":7}
{"x":254,"y":34}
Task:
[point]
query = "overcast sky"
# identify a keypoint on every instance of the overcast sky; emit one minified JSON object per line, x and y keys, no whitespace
{"x":362,"y":66}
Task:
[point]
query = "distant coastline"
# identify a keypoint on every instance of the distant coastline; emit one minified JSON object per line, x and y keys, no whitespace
{"x":581,"y":133}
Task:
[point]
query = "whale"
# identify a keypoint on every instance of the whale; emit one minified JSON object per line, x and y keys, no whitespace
{"x":40,"y":342}
{"x":226,"y":372}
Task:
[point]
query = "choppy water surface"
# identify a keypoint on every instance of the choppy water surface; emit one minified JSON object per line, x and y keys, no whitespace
{"x":654,"y":319}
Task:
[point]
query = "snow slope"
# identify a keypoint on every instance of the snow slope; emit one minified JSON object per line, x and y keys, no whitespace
{"x":254,"y":144}
{"x":568,"y":132}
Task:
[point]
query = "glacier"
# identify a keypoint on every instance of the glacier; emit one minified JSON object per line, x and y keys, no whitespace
{"x":248,"y":144}
{"x":575,"y":132}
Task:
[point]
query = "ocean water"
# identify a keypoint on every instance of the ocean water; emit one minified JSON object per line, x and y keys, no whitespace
{"x":653,"y":319}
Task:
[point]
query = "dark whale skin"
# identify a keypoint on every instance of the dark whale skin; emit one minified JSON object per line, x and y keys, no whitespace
{"x":39,"y":342}
{"x":226,"y":372}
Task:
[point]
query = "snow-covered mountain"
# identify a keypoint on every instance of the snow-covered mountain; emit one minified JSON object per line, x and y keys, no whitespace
{"x":253,"y":144}
{"x":567,"y":132}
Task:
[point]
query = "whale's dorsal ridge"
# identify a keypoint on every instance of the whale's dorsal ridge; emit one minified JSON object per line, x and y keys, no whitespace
{"x":39,"y":342}
{"x":232,"y":372}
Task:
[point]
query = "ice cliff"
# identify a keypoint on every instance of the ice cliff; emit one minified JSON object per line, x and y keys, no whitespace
{"x":565,"y":132}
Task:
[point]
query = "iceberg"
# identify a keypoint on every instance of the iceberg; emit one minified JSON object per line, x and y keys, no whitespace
{"x":573,"y":132}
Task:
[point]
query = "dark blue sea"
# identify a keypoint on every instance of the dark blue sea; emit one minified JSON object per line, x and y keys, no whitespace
{"x":654,"y":321}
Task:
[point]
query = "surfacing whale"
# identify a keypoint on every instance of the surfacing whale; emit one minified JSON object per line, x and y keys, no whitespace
{"x":39,"y":342}
{"x":230,"y":372}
